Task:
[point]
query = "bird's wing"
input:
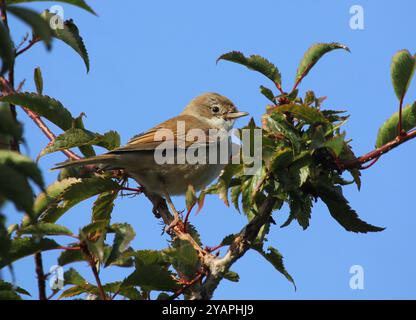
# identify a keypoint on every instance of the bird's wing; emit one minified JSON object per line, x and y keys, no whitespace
{"x":152,"y":138}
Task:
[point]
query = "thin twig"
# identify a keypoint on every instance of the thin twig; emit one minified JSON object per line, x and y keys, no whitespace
{"x":30,"y":45}
{"x":92,"y":263}
{"x":41,"y":276}
{"x":359,"y":162}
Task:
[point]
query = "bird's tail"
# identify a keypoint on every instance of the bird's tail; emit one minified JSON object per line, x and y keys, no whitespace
{"x":108,"y":158}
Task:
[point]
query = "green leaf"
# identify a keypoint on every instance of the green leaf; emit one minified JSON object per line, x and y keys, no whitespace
{"x":70,"y":256}
{"x":8,"y":125}
{"x":23,"y":247}
{"x":151,"y":276}
{"x":45,"y":229}
{"x":23,"y":165}
{"x":10,"y":292}
{"x":124,"y":234}
{"x":15,"y":187}
{"x":183,"y":258}
{"x":190,"y":197}
{"x":312,"y":56}
{"x":110,"y":140}
{"x":126,"y":291}
{"x":256,"y":63}
{"x":276,"y":123}
{"x":336,"y":144}
{"x":35,"y":21}
{"x":72,"y":276}
{"x":402,"y":70}
{"x":70,"y":139}
{"x":232,"y":276}
{"x":44,"y":199}
{"x":301,"y":111}
{"x":44,"y":106}
{"x":78,"y":290}
{"x":389,"y":130}
{"x":267,"y":93}
{"x":37,"y":76}
{"x":75,"y":193}
{"x":228,"y":240}
{"x":70,"y":35}
{"x":6,"y":49}
{"x":276,"y":259}
{"x":79,"y":3}
{"x":341,"y":211}
{"x":103,"y":206}
{"x":79,"y":138}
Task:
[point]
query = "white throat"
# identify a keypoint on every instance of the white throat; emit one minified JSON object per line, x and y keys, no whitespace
{"x":221,"y":123}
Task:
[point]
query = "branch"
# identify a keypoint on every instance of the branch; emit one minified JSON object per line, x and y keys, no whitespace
{"x":40,"y":275}
{"x":377,"y":153}
{"x":29,"y":45}
{"x":219,"y":266}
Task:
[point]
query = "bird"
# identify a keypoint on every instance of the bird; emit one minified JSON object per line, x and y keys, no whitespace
{"x":159,"y":159}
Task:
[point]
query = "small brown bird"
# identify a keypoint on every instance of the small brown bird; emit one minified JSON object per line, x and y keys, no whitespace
{"x":139,"y":156}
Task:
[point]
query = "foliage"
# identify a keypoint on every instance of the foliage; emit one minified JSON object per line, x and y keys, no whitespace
{"x":304,"y":159}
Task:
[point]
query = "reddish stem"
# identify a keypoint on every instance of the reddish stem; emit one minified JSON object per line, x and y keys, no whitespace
{"x":185,"y":223}
{"x":30,"y":44}
{"x":370,"y":164}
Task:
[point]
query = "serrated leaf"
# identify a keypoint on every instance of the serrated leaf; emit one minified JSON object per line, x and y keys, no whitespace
{"x":341,"y":211}
{"x":37,"y":76}
{"x":151,"y":277}
{"x":72,"y":276}
{"x":302,"y":111}
{"x":79,"y":3}
{"x":267,"y":93}
{"x":183,"y":258}
{"x":75,"y":193}
{"x":277,"y":124}
{"x":70,"y":256}
{"x":44,"y":106}
{"x":124,"y":234}
{"x":22,"y":247}
{"x":70,"y":139}
{"x":312,"y":56}
{"x":70,"y":35}
{"x":35,"y":21}
{"x":78,"y":290}
{"x":402,"y":70}
{"x":44,"y":199}
{"x":336,"y":144}
{"x":256,"y":63}
{"x":389,"y":130}
{"x":103,"y":206}
{"x":228,"y":240}
{"x":45,"y":229}
{"x":276,"y":259}
{"x":6,"y":49}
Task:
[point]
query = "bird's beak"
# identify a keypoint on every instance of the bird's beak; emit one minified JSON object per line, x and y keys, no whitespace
{"x":236,"y":115}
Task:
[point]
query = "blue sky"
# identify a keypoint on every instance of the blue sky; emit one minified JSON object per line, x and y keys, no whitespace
{"x":149,"y":58}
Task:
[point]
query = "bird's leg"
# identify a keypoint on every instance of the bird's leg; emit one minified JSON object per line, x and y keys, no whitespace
{"x":176,"y":216}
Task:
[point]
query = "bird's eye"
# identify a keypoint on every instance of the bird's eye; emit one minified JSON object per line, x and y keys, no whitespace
{"x":215,"y":109}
